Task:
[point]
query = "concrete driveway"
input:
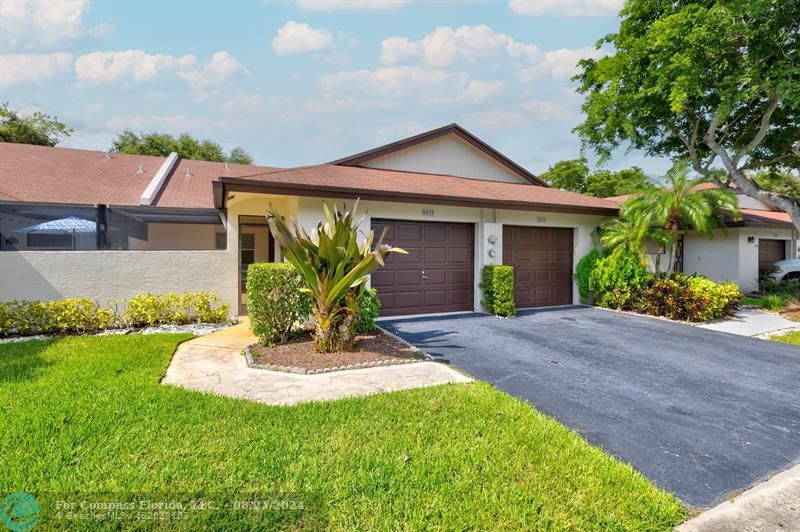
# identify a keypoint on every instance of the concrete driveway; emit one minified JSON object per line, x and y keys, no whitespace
{"x":702,"y":413}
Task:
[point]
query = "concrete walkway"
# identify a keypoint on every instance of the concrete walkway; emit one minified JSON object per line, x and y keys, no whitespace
{"x":214,"y":363}
{"x":771,"y":505}
{"x":751,"y":322}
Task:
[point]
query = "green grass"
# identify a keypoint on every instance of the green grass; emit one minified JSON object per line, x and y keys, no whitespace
{"x":788,"y":338}
{"x":88,"y":415}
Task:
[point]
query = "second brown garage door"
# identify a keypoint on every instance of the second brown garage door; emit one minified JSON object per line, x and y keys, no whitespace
{"x":542,"y":261}
{"x":435,"y":276}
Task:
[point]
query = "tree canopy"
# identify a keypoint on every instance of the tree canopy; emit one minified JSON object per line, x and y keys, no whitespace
{"x":37,"y":128}
{"x":576,"y":176}
{"x":188,"y":147}
{"x":716,"y":82}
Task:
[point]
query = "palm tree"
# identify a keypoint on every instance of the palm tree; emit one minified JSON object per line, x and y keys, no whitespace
{"x":625,"y":235}
{"x":683,"y":202}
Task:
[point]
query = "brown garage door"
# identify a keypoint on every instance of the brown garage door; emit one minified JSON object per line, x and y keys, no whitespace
{"x":435,"y":276}
{"x":542,"y":261}
{"x":769,"y":252}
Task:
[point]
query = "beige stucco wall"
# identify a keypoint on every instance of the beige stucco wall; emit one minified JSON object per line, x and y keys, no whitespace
{"x":176,"y":237}
{"x":113,"y":275}
{"x":448,"y":155}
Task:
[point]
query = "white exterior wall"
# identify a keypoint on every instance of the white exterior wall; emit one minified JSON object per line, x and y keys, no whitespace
{"x":114,"y":275}
{"x":732,"y":257}
{"x":487,"y":222}
{"x":448,"y":155}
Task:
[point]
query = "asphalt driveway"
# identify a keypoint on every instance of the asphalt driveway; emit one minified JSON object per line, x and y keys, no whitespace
{"x":702,"y":413}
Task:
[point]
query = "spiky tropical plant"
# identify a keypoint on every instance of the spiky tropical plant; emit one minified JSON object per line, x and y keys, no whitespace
{"x":626,"y":235}
{"x":334,"y":267}
{"x":683,"y":203}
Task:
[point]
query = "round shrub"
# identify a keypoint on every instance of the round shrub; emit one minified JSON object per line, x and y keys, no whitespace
{"x":277,"y":301}
{"x":615,"y":282}
{"x":583,"y":270}
{"x":369,"y":306}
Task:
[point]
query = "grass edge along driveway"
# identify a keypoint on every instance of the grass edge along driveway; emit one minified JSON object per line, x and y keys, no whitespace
{"x":88,"y":415}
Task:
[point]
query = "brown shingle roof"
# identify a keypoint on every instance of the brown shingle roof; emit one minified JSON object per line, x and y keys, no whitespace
{"x":392,"y":185}
{"x":60,"y":175}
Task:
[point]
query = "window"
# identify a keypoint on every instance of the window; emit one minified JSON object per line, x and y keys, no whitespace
{"x":81,"y":228}
{"x":47,"y":227}
{"x":158,"y":228}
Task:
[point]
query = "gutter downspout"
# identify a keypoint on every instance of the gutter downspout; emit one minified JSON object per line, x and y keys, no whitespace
{"x":154,"y":187}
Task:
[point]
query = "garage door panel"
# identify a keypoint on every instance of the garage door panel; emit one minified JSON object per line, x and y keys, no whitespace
{"x":435,"y":255}
{"x":542,"y":262}
{"x":444,"y":251}
{"x":384,"y":277}
{"x":770,"y":251}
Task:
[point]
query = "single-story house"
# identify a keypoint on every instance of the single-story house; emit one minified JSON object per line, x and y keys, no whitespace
{"x":108,"y":226}
{"x":748,"y":247}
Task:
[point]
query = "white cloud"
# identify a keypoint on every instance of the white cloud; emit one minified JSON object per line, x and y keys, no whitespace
{"x":446,"y":46}
{"x":400,"y":130}
{"x":221,"y":67}
{"x":95,"y":107}
{"x":559,"y":64}
{"x":108,"y":67}
{"x":32,"y":68}
{"x":479,"y":91}
{"x":333,"y":5}
{"x":45,"y":23}
{"x":162,"y":123}
{"x":546,"y":111}
{"x":396,"y":82}
{"x":243,"y":102}
{"x":298,"y":38}
{"x":578,"y":8}
{"x":498,"y":118}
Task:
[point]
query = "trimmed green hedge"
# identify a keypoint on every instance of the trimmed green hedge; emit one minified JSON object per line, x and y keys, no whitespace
{"x":277,"y":301}
{"x":82,"y":315}
{"x":173,"y":308}
{"x":497,"y":283}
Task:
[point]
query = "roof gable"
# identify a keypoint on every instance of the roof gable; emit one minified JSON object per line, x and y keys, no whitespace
{"x":436,"y":152}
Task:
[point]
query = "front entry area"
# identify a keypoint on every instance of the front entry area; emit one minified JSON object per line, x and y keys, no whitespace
{"x":437,"y":274}
{"x":542,"y":262}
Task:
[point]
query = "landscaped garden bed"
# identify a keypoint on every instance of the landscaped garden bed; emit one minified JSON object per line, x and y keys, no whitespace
{"x":298,"y":356}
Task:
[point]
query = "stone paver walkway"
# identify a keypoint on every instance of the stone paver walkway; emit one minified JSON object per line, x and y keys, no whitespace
{"x":751,"y":322}
{"x":214,"y":363}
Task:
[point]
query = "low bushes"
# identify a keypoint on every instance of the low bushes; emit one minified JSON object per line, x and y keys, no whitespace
{"x":82,"y":315}
{"x":583,"y":270}
{"x":179,"y":309}
{"x":277,"y":301}
{"x":624,"y":284}
{"x":497,"y":283}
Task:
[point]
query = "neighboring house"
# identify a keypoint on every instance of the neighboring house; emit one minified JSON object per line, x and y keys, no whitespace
{"x":107,"y":226}
{"x":742,"y":252}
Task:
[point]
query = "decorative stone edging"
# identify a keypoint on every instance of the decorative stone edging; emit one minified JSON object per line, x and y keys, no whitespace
{"x":248,"y":355}
{"x":197,"y":329}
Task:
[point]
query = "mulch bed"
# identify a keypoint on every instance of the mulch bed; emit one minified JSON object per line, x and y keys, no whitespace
{"x":375,"y":349}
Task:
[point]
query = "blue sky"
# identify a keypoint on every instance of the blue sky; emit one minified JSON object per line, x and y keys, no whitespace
{"x":307,"y":81}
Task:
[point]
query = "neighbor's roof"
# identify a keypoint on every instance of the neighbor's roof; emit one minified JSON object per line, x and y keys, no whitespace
{"x":334,"y":181}
{"x":62,"y":175}
{"x":757,"y":217}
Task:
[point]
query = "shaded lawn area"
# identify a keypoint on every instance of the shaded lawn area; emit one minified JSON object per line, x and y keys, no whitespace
{"x":789,"y":338}
{"x":88,"y":415}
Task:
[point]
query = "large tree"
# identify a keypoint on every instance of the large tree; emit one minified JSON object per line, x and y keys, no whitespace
{"x":574,"y":175}
{"x":36,"y":128}
{"x":716,"y":82}
{"x":188,"y":147}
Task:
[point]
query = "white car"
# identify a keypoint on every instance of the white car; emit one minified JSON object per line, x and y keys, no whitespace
{"x":787,"y":270}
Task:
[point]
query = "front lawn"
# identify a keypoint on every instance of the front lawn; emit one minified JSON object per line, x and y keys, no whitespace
{"x":789,"y":338}
{"x":88,"y":415}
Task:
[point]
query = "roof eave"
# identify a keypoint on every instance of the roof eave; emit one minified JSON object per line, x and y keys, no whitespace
{"x":232,"y":184}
